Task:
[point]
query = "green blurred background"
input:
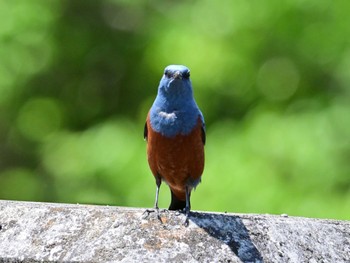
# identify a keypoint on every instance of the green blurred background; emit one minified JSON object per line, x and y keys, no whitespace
{"x":272,"y":79}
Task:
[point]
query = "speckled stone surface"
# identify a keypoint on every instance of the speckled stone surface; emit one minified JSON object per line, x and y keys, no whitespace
{"x":31,"y":232}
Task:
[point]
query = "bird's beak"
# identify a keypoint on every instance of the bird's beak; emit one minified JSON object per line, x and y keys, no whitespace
{"x":177,"y":75}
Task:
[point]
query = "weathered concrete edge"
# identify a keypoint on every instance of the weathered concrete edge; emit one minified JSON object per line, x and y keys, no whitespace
{"x":55,"y":230}
{"x":143,"y":209}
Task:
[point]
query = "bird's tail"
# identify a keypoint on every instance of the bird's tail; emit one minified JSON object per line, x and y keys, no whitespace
{"x":176,"y":203}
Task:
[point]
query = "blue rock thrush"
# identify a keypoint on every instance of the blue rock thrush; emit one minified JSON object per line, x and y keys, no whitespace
{"x":175,"y":134}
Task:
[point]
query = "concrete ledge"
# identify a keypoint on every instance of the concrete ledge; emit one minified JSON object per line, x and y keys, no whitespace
{"x":31,"y":232}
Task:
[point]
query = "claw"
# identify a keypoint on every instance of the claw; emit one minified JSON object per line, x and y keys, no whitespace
{"x":147,"y":212}
{"x":187,"y":214}
{"x":186,"y":222}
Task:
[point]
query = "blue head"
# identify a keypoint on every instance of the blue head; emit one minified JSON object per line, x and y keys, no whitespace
{"x":175,"y":111}
{"x":175,"y":84}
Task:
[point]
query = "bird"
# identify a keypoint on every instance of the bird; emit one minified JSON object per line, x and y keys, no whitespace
{"x":175,"y":134}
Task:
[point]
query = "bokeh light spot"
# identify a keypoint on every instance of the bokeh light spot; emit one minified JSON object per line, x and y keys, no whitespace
{"x":105,"y":147}
{"x":278,"y":79}
{"x":23,"y":182}
{"x":38,"y":118}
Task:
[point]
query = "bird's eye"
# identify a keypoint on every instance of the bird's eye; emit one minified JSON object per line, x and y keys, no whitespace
{"x":186,"y":74}
{"x":167,"y":73}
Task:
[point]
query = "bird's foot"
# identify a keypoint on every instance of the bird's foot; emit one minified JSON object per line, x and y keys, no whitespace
{"x":187,"y":214}
{"x":186,"y":222}
{"x":148,"y":212}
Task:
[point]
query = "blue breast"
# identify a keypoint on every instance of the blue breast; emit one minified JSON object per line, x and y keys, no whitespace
{"x":174,"y":110}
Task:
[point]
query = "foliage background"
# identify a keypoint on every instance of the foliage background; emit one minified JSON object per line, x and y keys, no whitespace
{"x":272,"y":79}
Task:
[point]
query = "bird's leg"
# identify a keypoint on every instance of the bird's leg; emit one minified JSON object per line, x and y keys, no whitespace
{"x":188,"y":206}
{"x":158,"y":183}
{"x":156,"y":208}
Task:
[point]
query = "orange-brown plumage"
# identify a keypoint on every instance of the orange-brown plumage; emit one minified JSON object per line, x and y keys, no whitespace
{"x":179,"y":160}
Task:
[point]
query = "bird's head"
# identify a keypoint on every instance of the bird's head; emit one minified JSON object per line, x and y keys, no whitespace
{"x":174,"y":110}
{"x":176,"y":81}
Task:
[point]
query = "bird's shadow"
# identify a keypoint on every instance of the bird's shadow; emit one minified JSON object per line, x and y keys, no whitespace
{"x":230,"y":230}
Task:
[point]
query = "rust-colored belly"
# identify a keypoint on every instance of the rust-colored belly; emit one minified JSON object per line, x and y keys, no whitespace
{"x":178,"y":160}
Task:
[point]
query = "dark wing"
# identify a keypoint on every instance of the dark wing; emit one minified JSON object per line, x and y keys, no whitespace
{"x":145,"y":132}
{"x":203,"y":134}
